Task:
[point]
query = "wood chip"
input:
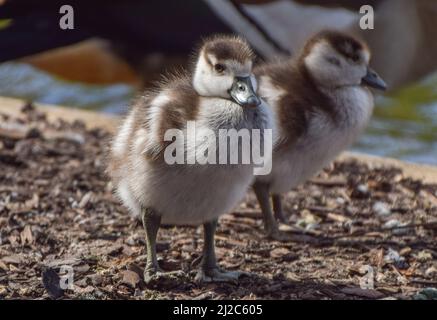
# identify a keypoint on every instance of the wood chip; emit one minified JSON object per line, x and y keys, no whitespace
{"x":331,"y":182}
{"x":365,"y":293}
{"x":279,"y":252}
{"x":26,"y":236}
{"x":13,"y":259}
{"x":130,"y":278}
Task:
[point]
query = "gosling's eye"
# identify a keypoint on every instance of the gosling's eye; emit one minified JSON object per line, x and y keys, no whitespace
{"x":219,"y":68}
{"x":333,"y":61}
{"x":356,"y":58}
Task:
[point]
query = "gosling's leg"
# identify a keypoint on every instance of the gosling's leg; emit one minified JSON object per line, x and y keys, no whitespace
{"x":270,"y":225}
{"x":277,"y":208}
{"x":209,"y":271}
{"x":152,"y":273}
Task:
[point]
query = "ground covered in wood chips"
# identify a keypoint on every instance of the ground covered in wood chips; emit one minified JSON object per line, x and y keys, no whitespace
{"x":358,"y":232}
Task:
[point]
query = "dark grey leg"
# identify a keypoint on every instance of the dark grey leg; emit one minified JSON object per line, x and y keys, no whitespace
{"x":209,"y":271}
{"x":151,"y":223}
{"x":270,"y":225}
{"x":153,"y":275}
{"x":262,"y":194}
{"x":209,"y":260}
{"x":277,"y":208}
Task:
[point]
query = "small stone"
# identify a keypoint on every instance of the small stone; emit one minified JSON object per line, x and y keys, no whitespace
{"x":393,"y":257}
{"x":431,"y":272}
{"x":381,"y":209}
{"x":340,"y":201}
{"x":138,"y":293}
{"x":82,"y":268}
{"x":397,"y":227}
{"x":85,"y":200}
{"x":96,"y":279}
{"x":308,"y":221}
{"x":361,"y":191}
{"x":131,"y":241}
{"x":391,"y":224}
{"x":424,"y":256}
{"x":427,"y":294}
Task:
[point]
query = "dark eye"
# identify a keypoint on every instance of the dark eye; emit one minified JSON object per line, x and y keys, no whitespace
{"x":355,"y":58}
{"x":219,"y":68}
{"x":333,"y":61}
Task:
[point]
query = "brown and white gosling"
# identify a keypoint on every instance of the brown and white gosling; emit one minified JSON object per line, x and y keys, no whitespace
{"x":321,"y":104}
{"x":220,"y":93}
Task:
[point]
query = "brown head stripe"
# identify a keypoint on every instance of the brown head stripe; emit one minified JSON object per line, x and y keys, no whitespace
{"x":344,"y":44}
{"x":228,"y":48}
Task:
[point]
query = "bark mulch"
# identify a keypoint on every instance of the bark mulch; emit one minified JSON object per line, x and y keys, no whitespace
{"x":358,"y":232}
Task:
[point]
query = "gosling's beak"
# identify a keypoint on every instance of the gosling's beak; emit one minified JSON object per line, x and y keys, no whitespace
{"x":372,"y":79}
{"x":242,"y":92}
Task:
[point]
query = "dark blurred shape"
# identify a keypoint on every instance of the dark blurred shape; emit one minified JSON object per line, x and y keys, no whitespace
{"x":403,"y":42}
{"x":51,"y":282}
{"x":91,"y":61}
{"x":134,"y":28}
{"x":153,"y":35}
{"x":347,"y":4}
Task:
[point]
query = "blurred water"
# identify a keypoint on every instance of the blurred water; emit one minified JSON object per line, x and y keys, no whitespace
{"x":404,"y":125}
{"x":25,"y":82}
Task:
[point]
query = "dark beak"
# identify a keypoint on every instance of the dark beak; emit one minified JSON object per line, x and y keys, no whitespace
{"x":373,"y":80}
{"x":242,"y":92}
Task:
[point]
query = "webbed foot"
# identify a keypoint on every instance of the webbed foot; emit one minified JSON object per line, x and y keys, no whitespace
{"x":218,"y":275}
{"x":280,"y":233}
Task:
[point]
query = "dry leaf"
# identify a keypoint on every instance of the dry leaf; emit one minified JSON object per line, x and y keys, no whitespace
{"x":279,"y":252}
{"x":130,"y":278}
{"x":26,"y":236}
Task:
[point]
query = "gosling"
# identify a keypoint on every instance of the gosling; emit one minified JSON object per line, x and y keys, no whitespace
{"x":321,"y":104}
{"x":220,"y":93}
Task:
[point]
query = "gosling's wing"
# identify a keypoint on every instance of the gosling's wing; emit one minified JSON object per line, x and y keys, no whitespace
{"x":169,"y":109}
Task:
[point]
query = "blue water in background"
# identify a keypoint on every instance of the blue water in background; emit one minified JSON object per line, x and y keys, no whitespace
{"x":26,"y":82}
{"x":404,"y":125}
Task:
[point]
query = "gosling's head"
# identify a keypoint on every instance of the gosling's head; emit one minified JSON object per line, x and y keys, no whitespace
{"x":224,"y":69}
{"x":336,"y":60}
